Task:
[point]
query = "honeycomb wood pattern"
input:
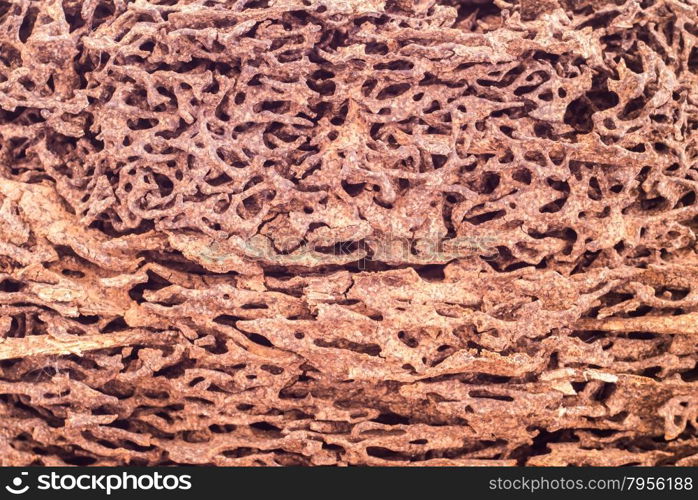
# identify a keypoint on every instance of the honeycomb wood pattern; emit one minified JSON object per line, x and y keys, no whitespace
{"x":348,"y":232}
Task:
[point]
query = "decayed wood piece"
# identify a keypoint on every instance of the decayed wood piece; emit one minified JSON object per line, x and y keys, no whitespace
{"x":300,"y":232}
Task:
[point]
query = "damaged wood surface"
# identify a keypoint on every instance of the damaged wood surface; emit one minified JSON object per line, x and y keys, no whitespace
{"x":357,"y":232}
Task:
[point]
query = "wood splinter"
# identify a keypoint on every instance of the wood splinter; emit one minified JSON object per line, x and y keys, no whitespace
{"x":684,"y":324}
{"x":38,"y":345}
